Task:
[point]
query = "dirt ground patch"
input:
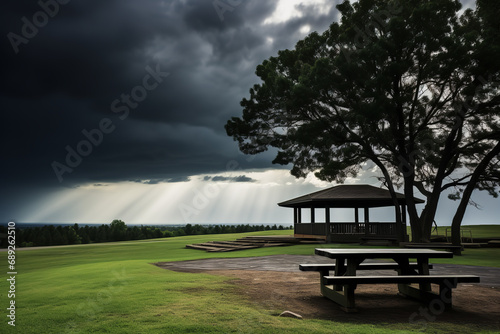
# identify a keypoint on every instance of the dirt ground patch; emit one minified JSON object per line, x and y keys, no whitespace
{"x":299,"y":292}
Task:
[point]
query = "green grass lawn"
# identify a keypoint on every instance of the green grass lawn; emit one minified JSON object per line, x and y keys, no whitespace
{"x":113,"y":288}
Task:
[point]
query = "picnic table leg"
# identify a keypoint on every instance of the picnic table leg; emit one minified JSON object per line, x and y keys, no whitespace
{"x":423,"y":269}
{"x":340,"y":270}
{"x":352,"y":265}
{"x":445,"y":293}
{"x":424,"y":291}
{"x":404,"y":267}
{"x":344,"y":298}
{"x":347,"y":302}
{"x":343,"y":294}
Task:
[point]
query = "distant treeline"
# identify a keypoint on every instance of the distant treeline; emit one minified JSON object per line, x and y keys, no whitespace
{"x":50,"y":235}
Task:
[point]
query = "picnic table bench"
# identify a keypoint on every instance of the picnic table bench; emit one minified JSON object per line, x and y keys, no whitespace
{"x":341,"y":286}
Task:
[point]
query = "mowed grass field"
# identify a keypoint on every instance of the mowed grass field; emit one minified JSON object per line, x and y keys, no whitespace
{"x":114,"y":288}
{"x":477,"y":231}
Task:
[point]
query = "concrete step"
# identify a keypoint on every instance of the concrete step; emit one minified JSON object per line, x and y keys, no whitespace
{"x":276,"y":238}
{"x":247,"y":243}
{"x":281,"y":239}
{"x":276,"y":244}
{"x":217,"y":245}
{"x":221,"y":246}
{"x":234,"y":243}
{"x":494,"y":243}
{"x":200,"y":247}
{"x":474,"y":244}
{"x":231,"y":249}
{"x":228,"y":244}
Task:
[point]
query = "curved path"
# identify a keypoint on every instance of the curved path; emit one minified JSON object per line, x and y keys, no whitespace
{"x":490,"y":276}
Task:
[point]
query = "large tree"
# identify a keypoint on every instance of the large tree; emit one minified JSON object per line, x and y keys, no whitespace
{"x":407,"y":84}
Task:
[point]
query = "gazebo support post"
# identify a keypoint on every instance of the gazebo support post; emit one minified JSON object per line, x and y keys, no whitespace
{"x":295,"y":219}
{"x":399,"y":229}
{"x":327,"y":218}
{"x":367,"y":221}
{"x":356,"y":218}
{"x":404,"y":234}
{"x":299,"y":217}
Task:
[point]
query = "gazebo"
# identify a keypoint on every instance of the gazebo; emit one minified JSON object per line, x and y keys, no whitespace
{"x":353,"y":196}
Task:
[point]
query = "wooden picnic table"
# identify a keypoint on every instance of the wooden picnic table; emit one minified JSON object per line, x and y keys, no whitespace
{"x":340,"y":287}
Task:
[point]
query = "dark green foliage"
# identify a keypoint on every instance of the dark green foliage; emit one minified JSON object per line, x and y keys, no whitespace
{"x":50,"y":235}
{"x":408,"y":85}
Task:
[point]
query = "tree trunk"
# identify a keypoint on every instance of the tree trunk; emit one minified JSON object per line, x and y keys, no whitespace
{"x":391,"y":189}
{"x":429,"y":213}
{"x":459,"y":214}
{"x":416,"y":234}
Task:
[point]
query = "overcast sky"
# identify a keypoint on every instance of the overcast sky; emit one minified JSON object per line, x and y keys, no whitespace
{"x":116,"y":109}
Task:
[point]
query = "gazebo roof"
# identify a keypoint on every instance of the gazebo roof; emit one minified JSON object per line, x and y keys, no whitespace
{"x":347,"y":196}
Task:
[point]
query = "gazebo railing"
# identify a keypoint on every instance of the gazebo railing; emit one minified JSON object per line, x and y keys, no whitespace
{"x":311,"y":229}
{"x":360,"y":228}
{"x":385,"y":228}
{"x":347,"y":228}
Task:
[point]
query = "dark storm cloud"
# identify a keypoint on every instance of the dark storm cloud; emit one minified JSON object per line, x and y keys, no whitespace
{"x":219,"y":178}
{"x":167,"y":180}
{"x":243,"y":178}
{"x":80,"y":66}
